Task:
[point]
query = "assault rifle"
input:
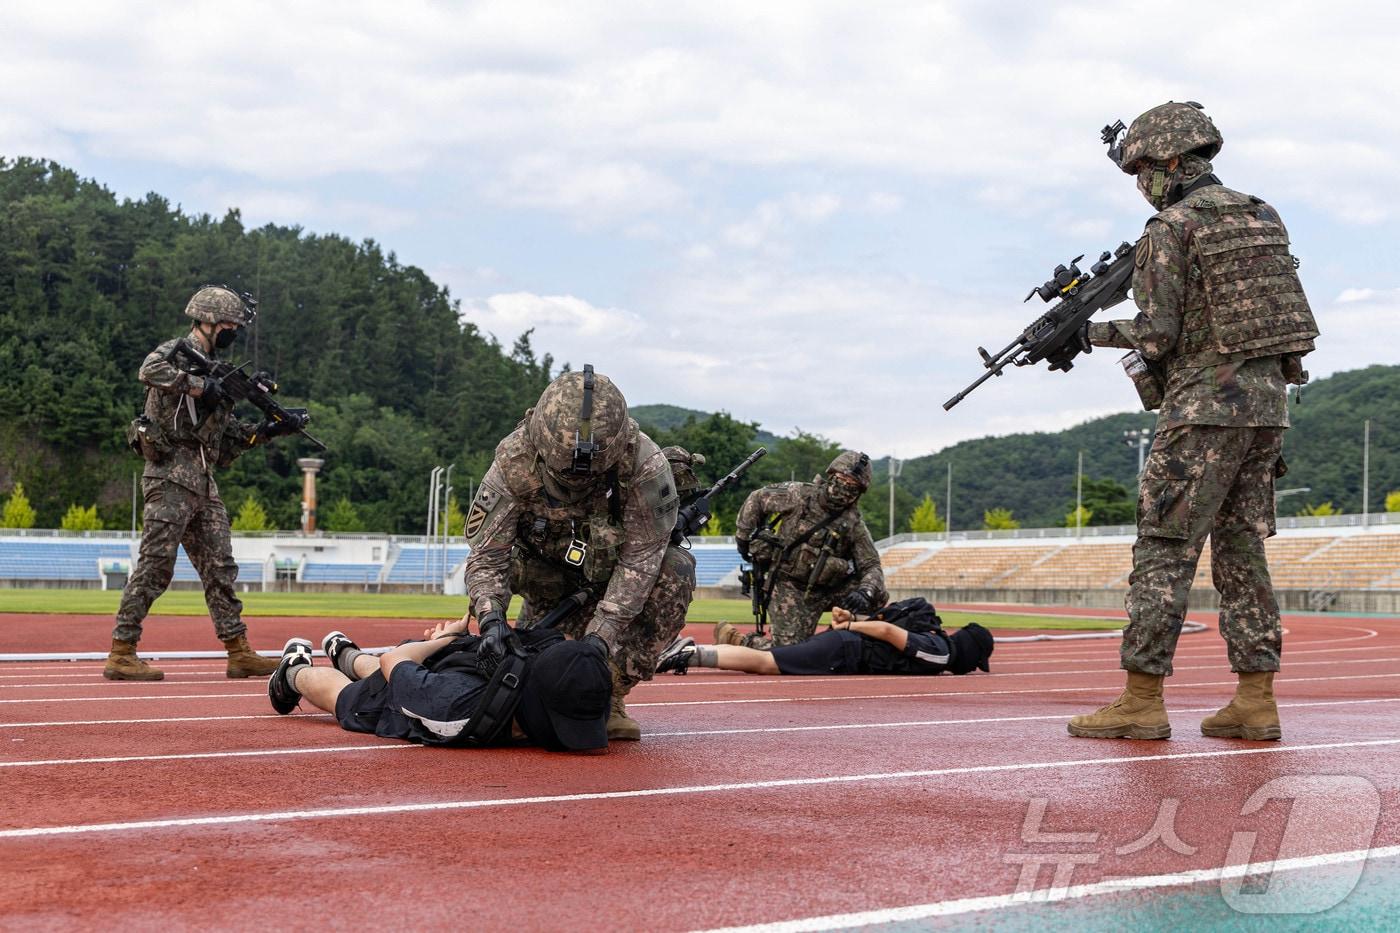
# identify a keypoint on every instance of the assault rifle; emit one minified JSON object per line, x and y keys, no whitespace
{"x":256,"y":389}
{"x":1054,"y":336}
{"x":696,"y":514}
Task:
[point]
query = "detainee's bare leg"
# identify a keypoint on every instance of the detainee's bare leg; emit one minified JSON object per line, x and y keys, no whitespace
{"x":320,"y":686}
{"x":748,"y":660}
{"x":365,"y":665}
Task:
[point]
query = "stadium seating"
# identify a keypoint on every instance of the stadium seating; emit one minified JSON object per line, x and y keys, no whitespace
{"x":971,"y":566}
{"x":419,"y":564}
{"x":713,"y":564}
{"x":340,"y":573}
{"x":57,"y":558}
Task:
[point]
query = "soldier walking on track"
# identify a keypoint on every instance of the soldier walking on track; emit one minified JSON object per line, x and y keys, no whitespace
{"x":1221,"y":329}
{"x":813,"y":549}
{"x":580,"y":501}
{"x":187,"y":429}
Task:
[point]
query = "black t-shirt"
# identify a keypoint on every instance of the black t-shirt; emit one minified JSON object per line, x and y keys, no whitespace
{"x":924,"y":653}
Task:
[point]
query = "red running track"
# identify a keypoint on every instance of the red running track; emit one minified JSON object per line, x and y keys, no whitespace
{"x":751,"y":800}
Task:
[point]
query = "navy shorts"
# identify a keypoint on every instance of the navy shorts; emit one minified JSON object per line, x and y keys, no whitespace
{"x":832,"y":652}
{"x":432,"y":707}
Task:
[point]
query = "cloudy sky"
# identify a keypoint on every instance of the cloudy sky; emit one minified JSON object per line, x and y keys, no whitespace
{"x":808,"y":214}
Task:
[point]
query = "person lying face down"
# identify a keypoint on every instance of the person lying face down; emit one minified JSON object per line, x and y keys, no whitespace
{"x":906,"y":637}
{"x":436,"y":691}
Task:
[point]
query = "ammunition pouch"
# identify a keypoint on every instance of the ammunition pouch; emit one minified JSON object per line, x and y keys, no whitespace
{"x":1147,"y":379}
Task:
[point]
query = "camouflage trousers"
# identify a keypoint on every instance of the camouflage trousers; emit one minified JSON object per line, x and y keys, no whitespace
{"x":1202,"y":480}
{"x":641,"y":643}
{"x":173,"y":516}
{"x":793,"y":614}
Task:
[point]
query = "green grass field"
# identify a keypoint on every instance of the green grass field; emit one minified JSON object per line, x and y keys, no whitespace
{"x":425,"y":606}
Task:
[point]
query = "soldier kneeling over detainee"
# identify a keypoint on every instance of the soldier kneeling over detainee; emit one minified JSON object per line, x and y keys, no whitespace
{"x":906,"y":637}
{"x":546,"y":690}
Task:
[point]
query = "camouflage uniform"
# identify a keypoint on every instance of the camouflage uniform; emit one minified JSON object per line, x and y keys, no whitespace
{"x":1223,"y":323}
{"x":809,"y":578}
{"x":610,"y":536}
{"x":184,"y":441}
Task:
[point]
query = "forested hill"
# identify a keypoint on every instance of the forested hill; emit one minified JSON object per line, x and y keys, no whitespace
{"x":1034,"y":474}
{"x":90,"y":284}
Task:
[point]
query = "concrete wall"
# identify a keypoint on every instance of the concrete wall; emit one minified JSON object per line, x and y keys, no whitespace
{"x":1381,"y":601}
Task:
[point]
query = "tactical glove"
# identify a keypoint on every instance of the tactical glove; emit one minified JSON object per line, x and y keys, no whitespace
{"x":213,"y":391}
{"x":596,"y":642}
{"x":743,"y":545}
{"x":270,"y":429}
{"x":859,"y":600}
{"x":1082,"y":338}
{"x":495,"y":634}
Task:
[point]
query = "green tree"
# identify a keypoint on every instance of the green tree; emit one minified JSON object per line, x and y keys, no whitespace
{"x":251,"y":516}
{"x":1320,"y":510}
{"x":1109,"y":502}
{"x":78,"y":518}
{"x":926,"y":517}
{"x":714,"y":528}
{"x":456,"y":521}
{"x":1078,"y":518}
{"x":1392,"y":501}
{"x":18,"y":512}
{"x":999,"y":520}
{"x":343,"y":516}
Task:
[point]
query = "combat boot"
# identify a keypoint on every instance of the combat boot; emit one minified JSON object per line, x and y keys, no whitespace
{"x":726,"y":634}
{"x":243,"y":661}
{"x":621,"y":727}
{"x":1138,"y":713}
{"x":1252,"y":714}
{"x":123,"y":664}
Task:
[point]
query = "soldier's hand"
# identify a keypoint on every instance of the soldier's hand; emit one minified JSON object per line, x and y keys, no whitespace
{"x":494,"y":635}
{"x":596,"y":642}
{"x":859,"y":600}
{"x":212,"y":392}
{"x":743,"y":545}
{"x":270,"y":429}
{"x":1082,"y":338}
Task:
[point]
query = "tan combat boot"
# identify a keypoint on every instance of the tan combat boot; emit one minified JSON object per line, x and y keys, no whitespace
{"x":1252,"y":714}
{"x":726,"y":634}
{"x":621,"y":727}
{"x":243,"y":661}
{"x":123,"y":664}
{"x":1137,"y":714}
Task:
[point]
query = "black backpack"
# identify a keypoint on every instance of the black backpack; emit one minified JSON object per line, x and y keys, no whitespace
{"x":505,"y":682}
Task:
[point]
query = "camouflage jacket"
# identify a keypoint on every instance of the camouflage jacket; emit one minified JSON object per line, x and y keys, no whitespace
{"x":190,"y":438}
{"x":1173,"y":326}
{"x":840,"y":555}
{"x":615,"y":546}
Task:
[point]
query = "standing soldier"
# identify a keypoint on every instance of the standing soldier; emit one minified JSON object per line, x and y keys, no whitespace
{"x":1222,"y":326}
{"x":814,"y":550}
{"x":578,"y":499}
{"x":186,"y":430}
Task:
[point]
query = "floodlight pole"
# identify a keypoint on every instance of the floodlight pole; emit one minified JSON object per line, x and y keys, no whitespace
{"x":948,"y":505}
{"x":1366,"y":476}
{"x":446,"y":525}
{"x":1079,"y":498}
{"x":896,"y":467}
{"x":432,"y":521}
{"x":1141,"y":438}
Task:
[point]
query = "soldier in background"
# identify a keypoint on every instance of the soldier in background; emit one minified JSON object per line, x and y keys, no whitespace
{"x":812,"y":544}
{"x":186,"y":430}
{"x":1222,"y":326}
{"x":578,"y":499}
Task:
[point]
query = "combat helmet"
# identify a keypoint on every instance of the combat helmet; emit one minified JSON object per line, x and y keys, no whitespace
{"x":683,"y":464}
{"x":580,"y":427}
{"x":1167,"y":130}
{"x":217,"y":304}
{"x":855,"y":465}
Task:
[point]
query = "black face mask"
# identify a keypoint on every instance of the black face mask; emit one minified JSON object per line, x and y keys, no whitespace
{"x":226,"y":338}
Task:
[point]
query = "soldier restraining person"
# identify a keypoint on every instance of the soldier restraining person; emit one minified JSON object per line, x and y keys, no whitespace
{"x":580,"y":503}
{"x":810,"y":546}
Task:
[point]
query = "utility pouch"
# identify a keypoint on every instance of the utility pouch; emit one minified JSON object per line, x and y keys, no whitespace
{"x":1146,"y":379}
{"x":1293,"y":372}
{"x":146,"y":439}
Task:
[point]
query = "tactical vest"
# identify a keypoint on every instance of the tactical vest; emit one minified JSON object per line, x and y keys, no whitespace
{"x":584,"y":538}
{"x":1238,"y":258}
{"x":820,"y":559}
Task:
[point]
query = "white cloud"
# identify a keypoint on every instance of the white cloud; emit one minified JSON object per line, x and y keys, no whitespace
{"x":561,"y":322}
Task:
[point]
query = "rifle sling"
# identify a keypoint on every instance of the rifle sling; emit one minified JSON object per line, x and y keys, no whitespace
{"x":787,"y":551}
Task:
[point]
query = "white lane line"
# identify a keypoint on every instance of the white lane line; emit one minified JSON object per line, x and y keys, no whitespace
{"x":871,"y":725}
{"x":131,"y":722}
{"x":155,"y":696}
{"x":492,"y":802}
{"x":183,"y":680}
{"x":195,"y":756}
{"x":1055,"y":895}
{"x":962,"y":693}
{"x":97,"y":672}
{"x":963,"y":722}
